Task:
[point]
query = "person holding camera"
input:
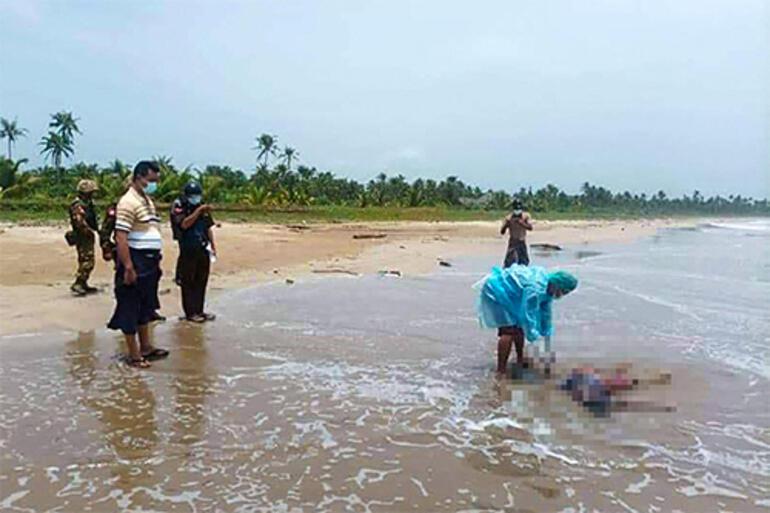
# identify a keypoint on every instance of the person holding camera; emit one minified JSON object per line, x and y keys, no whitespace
{"x":517,"y":224}
{"x":191,"y":223}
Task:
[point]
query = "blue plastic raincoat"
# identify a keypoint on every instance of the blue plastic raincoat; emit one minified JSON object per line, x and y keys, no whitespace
{"x":516,"y":296}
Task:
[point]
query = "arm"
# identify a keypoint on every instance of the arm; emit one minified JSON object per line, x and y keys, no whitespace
{"x":79,"y":219}
{"x":504,"y":227}
{"x":124,"y":255}
{"x":211,"y":240}
{"x":188,"y":221}
{"x":525,"y":221}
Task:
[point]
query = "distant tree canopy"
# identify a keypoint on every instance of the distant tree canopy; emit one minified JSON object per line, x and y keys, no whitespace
{"x":279,"y":186}
{"x":277,"y":183}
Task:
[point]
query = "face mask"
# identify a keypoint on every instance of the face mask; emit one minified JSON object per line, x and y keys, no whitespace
{"x":195,"y":200}
{"x":151,"y":188}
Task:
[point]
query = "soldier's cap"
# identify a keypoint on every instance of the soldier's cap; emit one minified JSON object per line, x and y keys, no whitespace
{"x":87,"y":186}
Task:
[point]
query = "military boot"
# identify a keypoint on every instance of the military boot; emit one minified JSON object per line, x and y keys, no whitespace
{"x":78,"y":289}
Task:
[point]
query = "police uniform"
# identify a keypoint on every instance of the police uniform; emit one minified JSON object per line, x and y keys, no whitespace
{"x":84,"y":223}
{"x":194,"y":259}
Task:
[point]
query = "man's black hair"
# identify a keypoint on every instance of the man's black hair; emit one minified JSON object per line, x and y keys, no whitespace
{"x":144,"y":167}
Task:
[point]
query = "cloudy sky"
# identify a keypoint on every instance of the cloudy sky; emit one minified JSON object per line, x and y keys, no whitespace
{"x":640,"y":95}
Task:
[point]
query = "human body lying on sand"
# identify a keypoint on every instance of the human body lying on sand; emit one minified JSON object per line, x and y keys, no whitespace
{"x":598,"y":390}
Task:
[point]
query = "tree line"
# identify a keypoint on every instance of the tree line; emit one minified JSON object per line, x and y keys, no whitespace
{"x":278,"y":182}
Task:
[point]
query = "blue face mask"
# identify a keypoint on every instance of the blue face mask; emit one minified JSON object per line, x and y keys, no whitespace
{"x":151,"y":188}
{"x":195,"y":200}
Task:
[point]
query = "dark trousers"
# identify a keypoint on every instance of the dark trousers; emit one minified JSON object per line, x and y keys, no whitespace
{"x":517,"y":253}
{"x":193,"y":267}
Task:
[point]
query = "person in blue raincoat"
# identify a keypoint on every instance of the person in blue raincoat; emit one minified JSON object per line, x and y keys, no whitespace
{"x":517,"y":301}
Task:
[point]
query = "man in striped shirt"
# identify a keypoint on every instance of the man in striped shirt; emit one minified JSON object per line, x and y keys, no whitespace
{"x":137,"y":273}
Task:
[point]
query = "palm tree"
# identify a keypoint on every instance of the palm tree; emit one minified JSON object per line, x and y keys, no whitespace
{"x":55,"y":146}
{"x":11,"y":131}
{"x":65,"y":124}
{"x":287,"y":155}
{"x":266,"y":146}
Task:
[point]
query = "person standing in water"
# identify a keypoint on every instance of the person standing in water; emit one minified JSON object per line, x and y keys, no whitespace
{"x":137,"y":270}
{"x":191,"y":222}
{"x":517,"y":301}
{"x":517,"y":224}
{"x":107,"y":241}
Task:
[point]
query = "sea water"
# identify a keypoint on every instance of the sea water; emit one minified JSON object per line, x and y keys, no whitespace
{"x":379,"y":394}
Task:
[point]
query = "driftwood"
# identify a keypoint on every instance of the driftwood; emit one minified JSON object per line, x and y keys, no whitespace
{"x":444,"y":263}
{"x":370,"y":235}
{"x":297,"y":227}
{"x":334,"y":271}
{"x":549,"y":247}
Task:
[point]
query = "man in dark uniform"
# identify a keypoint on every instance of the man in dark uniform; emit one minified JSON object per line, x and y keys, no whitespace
{"x":191,"y":222}
{"x":84,"y":223}
{"x":109,"y":248}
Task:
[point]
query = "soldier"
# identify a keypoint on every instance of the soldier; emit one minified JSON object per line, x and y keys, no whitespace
{"x":84,"y":224}
{"x":107,"y":233}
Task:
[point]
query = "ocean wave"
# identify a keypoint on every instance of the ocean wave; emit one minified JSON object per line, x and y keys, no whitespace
{"x":744,"y":226}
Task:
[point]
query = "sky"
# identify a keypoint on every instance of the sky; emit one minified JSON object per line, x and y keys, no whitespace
{"x":633,"y":95}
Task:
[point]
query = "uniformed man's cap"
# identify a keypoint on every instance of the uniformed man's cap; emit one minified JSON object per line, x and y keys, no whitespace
{"x":192,"y":188}
{"x":87,"y":186}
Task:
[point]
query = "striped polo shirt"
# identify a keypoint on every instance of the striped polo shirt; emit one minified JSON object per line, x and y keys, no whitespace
{"x":136,"y":215}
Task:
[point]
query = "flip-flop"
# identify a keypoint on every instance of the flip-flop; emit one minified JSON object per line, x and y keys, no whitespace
{"x":156,"y":354}
{"x":197,"y":319}
{"x":138,"y":363}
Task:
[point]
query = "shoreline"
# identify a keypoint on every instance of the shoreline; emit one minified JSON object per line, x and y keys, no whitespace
{"x":37,"y":265}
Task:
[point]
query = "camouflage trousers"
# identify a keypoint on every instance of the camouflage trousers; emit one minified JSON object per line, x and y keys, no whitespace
{"x":86,"y":260}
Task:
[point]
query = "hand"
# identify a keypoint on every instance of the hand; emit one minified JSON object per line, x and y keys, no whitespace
{"x":129,"y":276}
{"x":205,"y":209}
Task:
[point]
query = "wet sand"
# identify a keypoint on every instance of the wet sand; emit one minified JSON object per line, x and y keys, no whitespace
{"x":377,"y":393}
{"x":38,"y":267}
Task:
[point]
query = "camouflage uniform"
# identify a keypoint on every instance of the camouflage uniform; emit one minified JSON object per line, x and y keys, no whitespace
{"x":107,"y":232}
{"x":84,"y":224}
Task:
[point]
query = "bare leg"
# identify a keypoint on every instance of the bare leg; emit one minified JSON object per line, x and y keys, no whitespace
{"x":518,"y":340}
{"x":133,"y":347}
{"x":504,"y":343}
{"x":144,"y":338}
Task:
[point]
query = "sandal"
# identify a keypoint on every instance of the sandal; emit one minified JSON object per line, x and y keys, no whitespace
{"x":209,"y":316}
{"x":197,"y":318}
{"x":155,"y":354}
{"x":137,"y":363}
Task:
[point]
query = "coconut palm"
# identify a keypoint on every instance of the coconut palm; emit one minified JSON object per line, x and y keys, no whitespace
{"x":288,"y":154}
{"x":10,"y":130}
{"x":65,"y":124}
{"x":266,"y":146}
{"x":55,"y":146}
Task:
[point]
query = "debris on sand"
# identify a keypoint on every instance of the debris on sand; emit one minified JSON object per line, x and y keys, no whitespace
{"x":359,"y":236}
{"x":297,"y":227}
{"x":444,"y":263}
{"x":289,"y":281}
{"x":335,"y":271}
{"x":390,"y":272}
{"x":547,"y":247}
{"x":164,"y":292}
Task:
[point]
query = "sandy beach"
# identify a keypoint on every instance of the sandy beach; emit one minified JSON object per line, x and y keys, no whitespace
{"x":38,"y":267}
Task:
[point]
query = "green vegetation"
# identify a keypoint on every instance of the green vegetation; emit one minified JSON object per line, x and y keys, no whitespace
{"x":276,"y":192}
